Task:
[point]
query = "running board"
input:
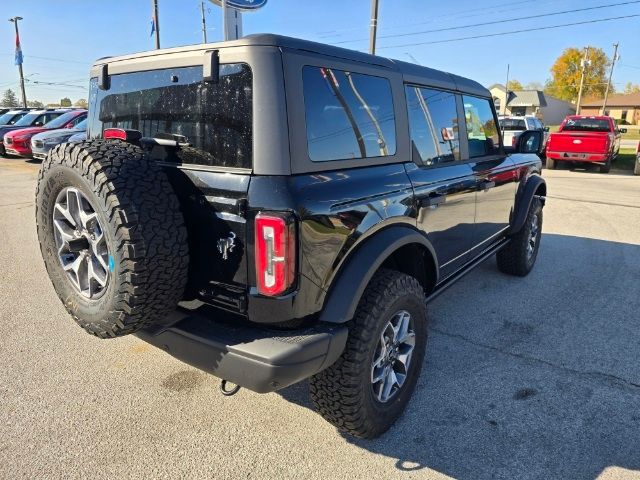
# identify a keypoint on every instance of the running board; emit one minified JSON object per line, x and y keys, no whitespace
{"x":453,"y":278}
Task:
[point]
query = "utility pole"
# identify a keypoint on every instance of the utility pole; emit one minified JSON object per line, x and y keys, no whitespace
{"x":613,"y":64}
{"x":506,"y":92}
{"x":204,"y":23}
{"x":156,"y":22}
{"x":584,"y":63}
{"x":19,"y":60}
{"x":374,"y":27}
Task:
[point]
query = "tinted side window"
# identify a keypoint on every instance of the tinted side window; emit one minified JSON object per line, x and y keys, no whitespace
{"x":481,"y":127}
{"x":214,"y":119}
{"x":433,"y":121}
{"x":348,"y":115}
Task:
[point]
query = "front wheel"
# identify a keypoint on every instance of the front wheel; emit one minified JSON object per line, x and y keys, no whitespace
{"x":519,"y":256}
{"x":369,"y":386}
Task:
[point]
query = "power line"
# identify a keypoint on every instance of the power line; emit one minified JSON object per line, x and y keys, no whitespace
{"x":494,"y":22}
{"x":329,"y":33}
{"x":63,"y":60}
{"x":512,"y":32}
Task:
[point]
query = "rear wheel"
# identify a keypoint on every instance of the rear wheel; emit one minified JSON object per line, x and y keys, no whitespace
{"x":606,"y":167}
{"x":111,"y":235}
{"x":551,"y":163}
{"x":367,"y":389}
{"x":636,"y":169}
{"x":519,"y":256}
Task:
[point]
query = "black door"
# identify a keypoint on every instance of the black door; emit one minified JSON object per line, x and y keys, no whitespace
{"x":444,"y":185}
{"x":494,"y":172}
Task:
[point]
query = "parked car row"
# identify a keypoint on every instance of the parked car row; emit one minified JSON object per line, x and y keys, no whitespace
{"x":33,"y":132}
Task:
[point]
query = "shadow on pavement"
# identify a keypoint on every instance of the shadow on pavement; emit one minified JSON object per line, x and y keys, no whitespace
{"x":528,"y":378}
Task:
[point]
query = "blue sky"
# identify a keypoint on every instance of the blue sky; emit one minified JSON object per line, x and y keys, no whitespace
{"x":60,"y":39}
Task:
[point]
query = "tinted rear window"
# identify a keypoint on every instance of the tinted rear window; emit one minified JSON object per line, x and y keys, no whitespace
{"x":214,"y":119}
{"x":348,"y":115}
{"x":512,"y":124}
{"x":586,"y":125}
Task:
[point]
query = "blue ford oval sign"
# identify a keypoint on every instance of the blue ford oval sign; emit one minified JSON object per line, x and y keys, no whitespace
{"x":243,"y":5}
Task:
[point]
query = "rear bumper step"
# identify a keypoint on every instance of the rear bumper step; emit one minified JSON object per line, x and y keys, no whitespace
{"x":260,"y":359}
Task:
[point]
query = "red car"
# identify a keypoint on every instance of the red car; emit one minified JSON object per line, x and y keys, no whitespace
{"x":585,"y":139}
{"x":18,"y":142}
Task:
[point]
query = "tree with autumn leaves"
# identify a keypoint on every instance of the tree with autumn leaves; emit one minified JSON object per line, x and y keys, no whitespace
{"x":566,"y":72}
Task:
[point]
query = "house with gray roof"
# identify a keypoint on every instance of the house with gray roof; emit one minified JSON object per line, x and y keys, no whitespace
{"x":531,"y":102}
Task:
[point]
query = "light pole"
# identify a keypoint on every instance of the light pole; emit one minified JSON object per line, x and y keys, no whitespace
{"x":204,"y":22}
{"x":19,"y":59}
{"x":374,"y":27}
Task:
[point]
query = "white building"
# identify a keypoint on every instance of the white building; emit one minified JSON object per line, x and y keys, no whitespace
{"x":531,"y":102}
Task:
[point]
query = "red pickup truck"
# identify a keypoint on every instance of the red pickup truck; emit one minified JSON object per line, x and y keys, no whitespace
{"x":585,"y":139}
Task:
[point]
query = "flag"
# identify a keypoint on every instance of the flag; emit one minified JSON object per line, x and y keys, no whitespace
{"x":153,"y":25}
{"x":18,"y":60}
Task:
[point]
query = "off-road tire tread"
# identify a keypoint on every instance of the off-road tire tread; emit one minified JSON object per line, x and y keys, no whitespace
{"x":150,"y":233}
{"x":336,"y":391}
{"x":512,"y":259}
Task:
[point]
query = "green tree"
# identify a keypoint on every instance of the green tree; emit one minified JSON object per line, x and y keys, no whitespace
{"x":567,"y":70}
{"x":514,"y":85}
{"x":65,"y":102}
{"x":631,"y":88}
{"x":9,"y":99}
{"x":82,"y":103}
{"x":35,"y":104}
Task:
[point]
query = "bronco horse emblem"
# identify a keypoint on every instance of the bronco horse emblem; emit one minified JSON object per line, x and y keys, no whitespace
{"x":226,"y":245}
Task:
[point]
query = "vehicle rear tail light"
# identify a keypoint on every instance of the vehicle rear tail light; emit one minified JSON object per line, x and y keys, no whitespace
{"x":275,"y":251}
{"x":122,"y":134}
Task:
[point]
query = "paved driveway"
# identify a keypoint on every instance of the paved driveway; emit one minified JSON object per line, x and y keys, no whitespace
{"x":524,"y":378}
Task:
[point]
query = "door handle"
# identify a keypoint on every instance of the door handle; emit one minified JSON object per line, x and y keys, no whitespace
{"x":432,"y":200}
{"x":487,"y":184}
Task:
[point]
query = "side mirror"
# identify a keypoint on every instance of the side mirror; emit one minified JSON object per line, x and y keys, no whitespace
{"x":546,"y":129}
{"x":530,"y":142}
{"x":622,"y":130}
{"x":38,"y":124}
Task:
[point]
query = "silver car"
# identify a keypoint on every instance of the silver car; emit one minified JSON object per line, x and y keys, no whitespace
{"x":45,"y":141}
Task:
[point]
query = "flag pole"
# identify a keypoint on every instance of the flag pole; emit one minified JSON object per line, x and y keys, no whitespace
{"x":19,"y":60}
{"x":156,"y":23}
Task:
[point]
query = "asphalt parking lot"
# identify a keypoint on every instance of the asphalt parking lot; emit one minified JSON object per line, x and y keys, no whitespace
{"x":524,"y":378}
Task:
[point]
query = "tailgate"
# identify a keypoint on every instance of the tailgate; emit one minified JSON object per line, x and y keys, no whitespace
{"x":213,"y":205}
{"x":579,"y":142}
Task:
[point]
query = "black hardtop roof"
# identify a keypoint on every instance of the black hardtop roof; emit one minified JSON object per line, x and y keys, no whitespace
{"x":412,"y":73}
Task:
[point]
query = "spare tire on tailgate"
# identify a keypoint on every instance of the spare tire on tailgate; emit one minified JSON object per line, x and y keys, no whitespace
{"x":112,"y":236}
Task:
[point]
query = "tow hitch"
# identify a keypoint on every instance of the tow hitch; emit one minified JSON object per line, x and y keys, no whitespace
{"x":228,"y":392}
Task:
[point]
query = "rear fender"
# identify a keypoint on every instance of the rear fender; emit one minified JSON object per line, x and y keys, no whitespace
{"x":361,"y":265}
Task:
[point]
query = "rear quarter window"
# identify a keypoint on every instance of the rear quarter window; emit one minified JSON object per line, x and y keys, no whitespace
{"x":348,"y":115}
{"x":214,"y":119}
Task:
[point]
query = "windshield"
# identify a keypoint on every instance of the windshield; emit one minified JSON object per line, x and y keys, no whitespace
{"x":27,"y":120}
{"x":60,"y":121}
{"x":82,"y":125}
{"x":7,"y":117}
{"x":587,"y":125}
{"x":512,"y":124}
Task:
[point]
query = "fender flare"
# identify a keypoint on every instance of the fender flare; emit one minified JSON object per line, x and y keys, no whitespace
{"x":524,"y":200}
{"x":354,"y":276}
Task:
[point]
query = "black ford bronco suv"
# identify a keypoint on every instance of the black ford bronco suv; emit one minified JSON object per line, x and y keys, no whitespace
{"x":271,"y":210}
